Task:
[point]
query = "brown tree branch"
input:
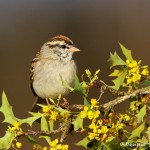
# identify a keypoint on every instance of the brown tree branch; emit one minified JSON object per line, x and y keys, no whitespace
{"x":121,"y":99}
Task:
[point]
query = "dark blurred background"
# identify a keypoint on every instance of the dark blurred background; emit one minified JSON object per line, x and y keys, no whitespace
{"x":94,"y":26}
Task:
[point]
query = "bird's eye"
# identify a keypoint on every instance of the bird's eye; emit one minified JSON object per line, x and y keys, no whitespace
{"x":63,"y":46}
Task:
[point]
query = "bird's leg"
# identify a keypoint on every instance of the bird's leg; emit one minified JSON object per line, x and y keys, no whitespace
{"x":47,"y":101}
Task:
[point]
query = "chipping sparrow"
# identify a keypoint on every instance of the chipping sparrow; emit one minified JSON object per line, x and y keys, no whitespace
{"x":51,"y":65}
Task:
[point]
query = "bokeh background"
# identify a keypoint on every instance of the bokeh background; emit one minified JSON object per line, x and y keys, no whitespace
{"x":94,"y":26}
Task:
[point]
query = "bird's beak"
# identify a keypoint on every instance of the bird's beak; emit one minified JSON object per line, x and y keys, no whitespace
{"x":74,"y":49}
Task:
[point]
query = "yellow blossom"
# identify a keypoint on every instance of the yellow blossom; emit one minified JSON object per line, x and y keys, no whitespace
{"x":46,"y":109}
{"x":144,"y":100}
{"x":85,"y":108}
{"x":145,"y":72}
{"x":104,"y":129}
{"x":83,"y":113}
{"x":54,"y":143}
{"x":127,"y":118}
{"x":16,"y":127}
{"x":94,"y":103}
{"x":59,"y":146}
{"x":65,"y":147}
{"x":55,"y":146}
{"x":18,"y":145}
{"x":120,"y":125}
{"x":96,"y":114}
{"x":53,"y":115}
{"x":104,"y":137}
{"x":92,"y":136}
{"x":90,"y":114}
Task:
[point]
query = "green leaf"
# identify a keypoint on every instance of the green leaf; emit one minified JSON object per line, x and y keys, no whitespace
{"x":77,"y":85}
{"x":78,"y":123}
{"x":146,"y":83}
{"x":84,"y":142}
{"x":119,"y":80}
{"x":116,"y":73}
{"x":86,"y":103}
{"x":115,"y":60}
{"x":6,"y":140}
{"x":110,"y":139}
{"x":61,"y":110}
{"x":51,"y":125}
{"x":65,"y":84}
{"x":44,"y":127}
{"x":137,"y":132}
{"x":6,"y":109}
{"x":126,"y":52}
{"x":141,"y":114}
{"x":31,"y":120}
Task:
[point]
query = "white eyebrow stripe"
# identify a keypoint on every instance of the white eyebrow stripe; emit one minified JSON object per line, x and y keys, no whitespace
{"x":55,"y":42}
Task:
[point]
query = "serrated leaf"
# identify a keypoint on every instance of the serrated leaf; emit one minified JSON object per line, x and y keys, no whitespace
{"x":6,"y":140}
{"x":141,"y":114}
{"x":6,"y":109}
{"x":119,"y":80}
{"x":31,"y":139}
{"x":115,"y":60}
{"x":30,"y":120}
{"x":126,"y":52}
{"x":84,"y":142}
{"x":116,"y":73}
{"x":78,"y":123}
{"x":137,"y":132}
{"x":44,"y":127}
{"x":146,"y":83}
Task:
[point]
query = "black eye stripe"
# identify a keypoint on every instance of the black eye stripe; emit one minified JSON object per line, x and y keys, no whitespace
{"x":63,"y":46}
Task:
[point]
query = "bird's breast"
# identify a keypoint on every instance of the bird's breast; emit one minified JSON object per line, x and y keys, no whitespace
{"x":48,"y":76}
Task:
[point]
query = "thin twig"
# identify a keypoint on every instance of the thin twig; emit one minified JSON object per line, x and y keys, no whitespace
{"x":44,"y":133}
{"x":118,"y":100}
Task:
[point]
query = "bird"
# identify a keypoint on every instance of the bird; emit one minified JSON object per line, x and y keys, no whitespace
{"x":53,"y":64}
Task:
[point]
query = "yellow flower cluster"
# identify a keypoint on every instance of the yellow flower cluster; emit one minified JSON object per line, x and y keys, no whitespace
{"x":16,"y":127}
{"x":100,"y":128}
{"x":55,"y":146}
{"x":54,"y":114}
{"x":135,"y":72}
{"x":124,"y":117}
{"x":90,"y":112}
